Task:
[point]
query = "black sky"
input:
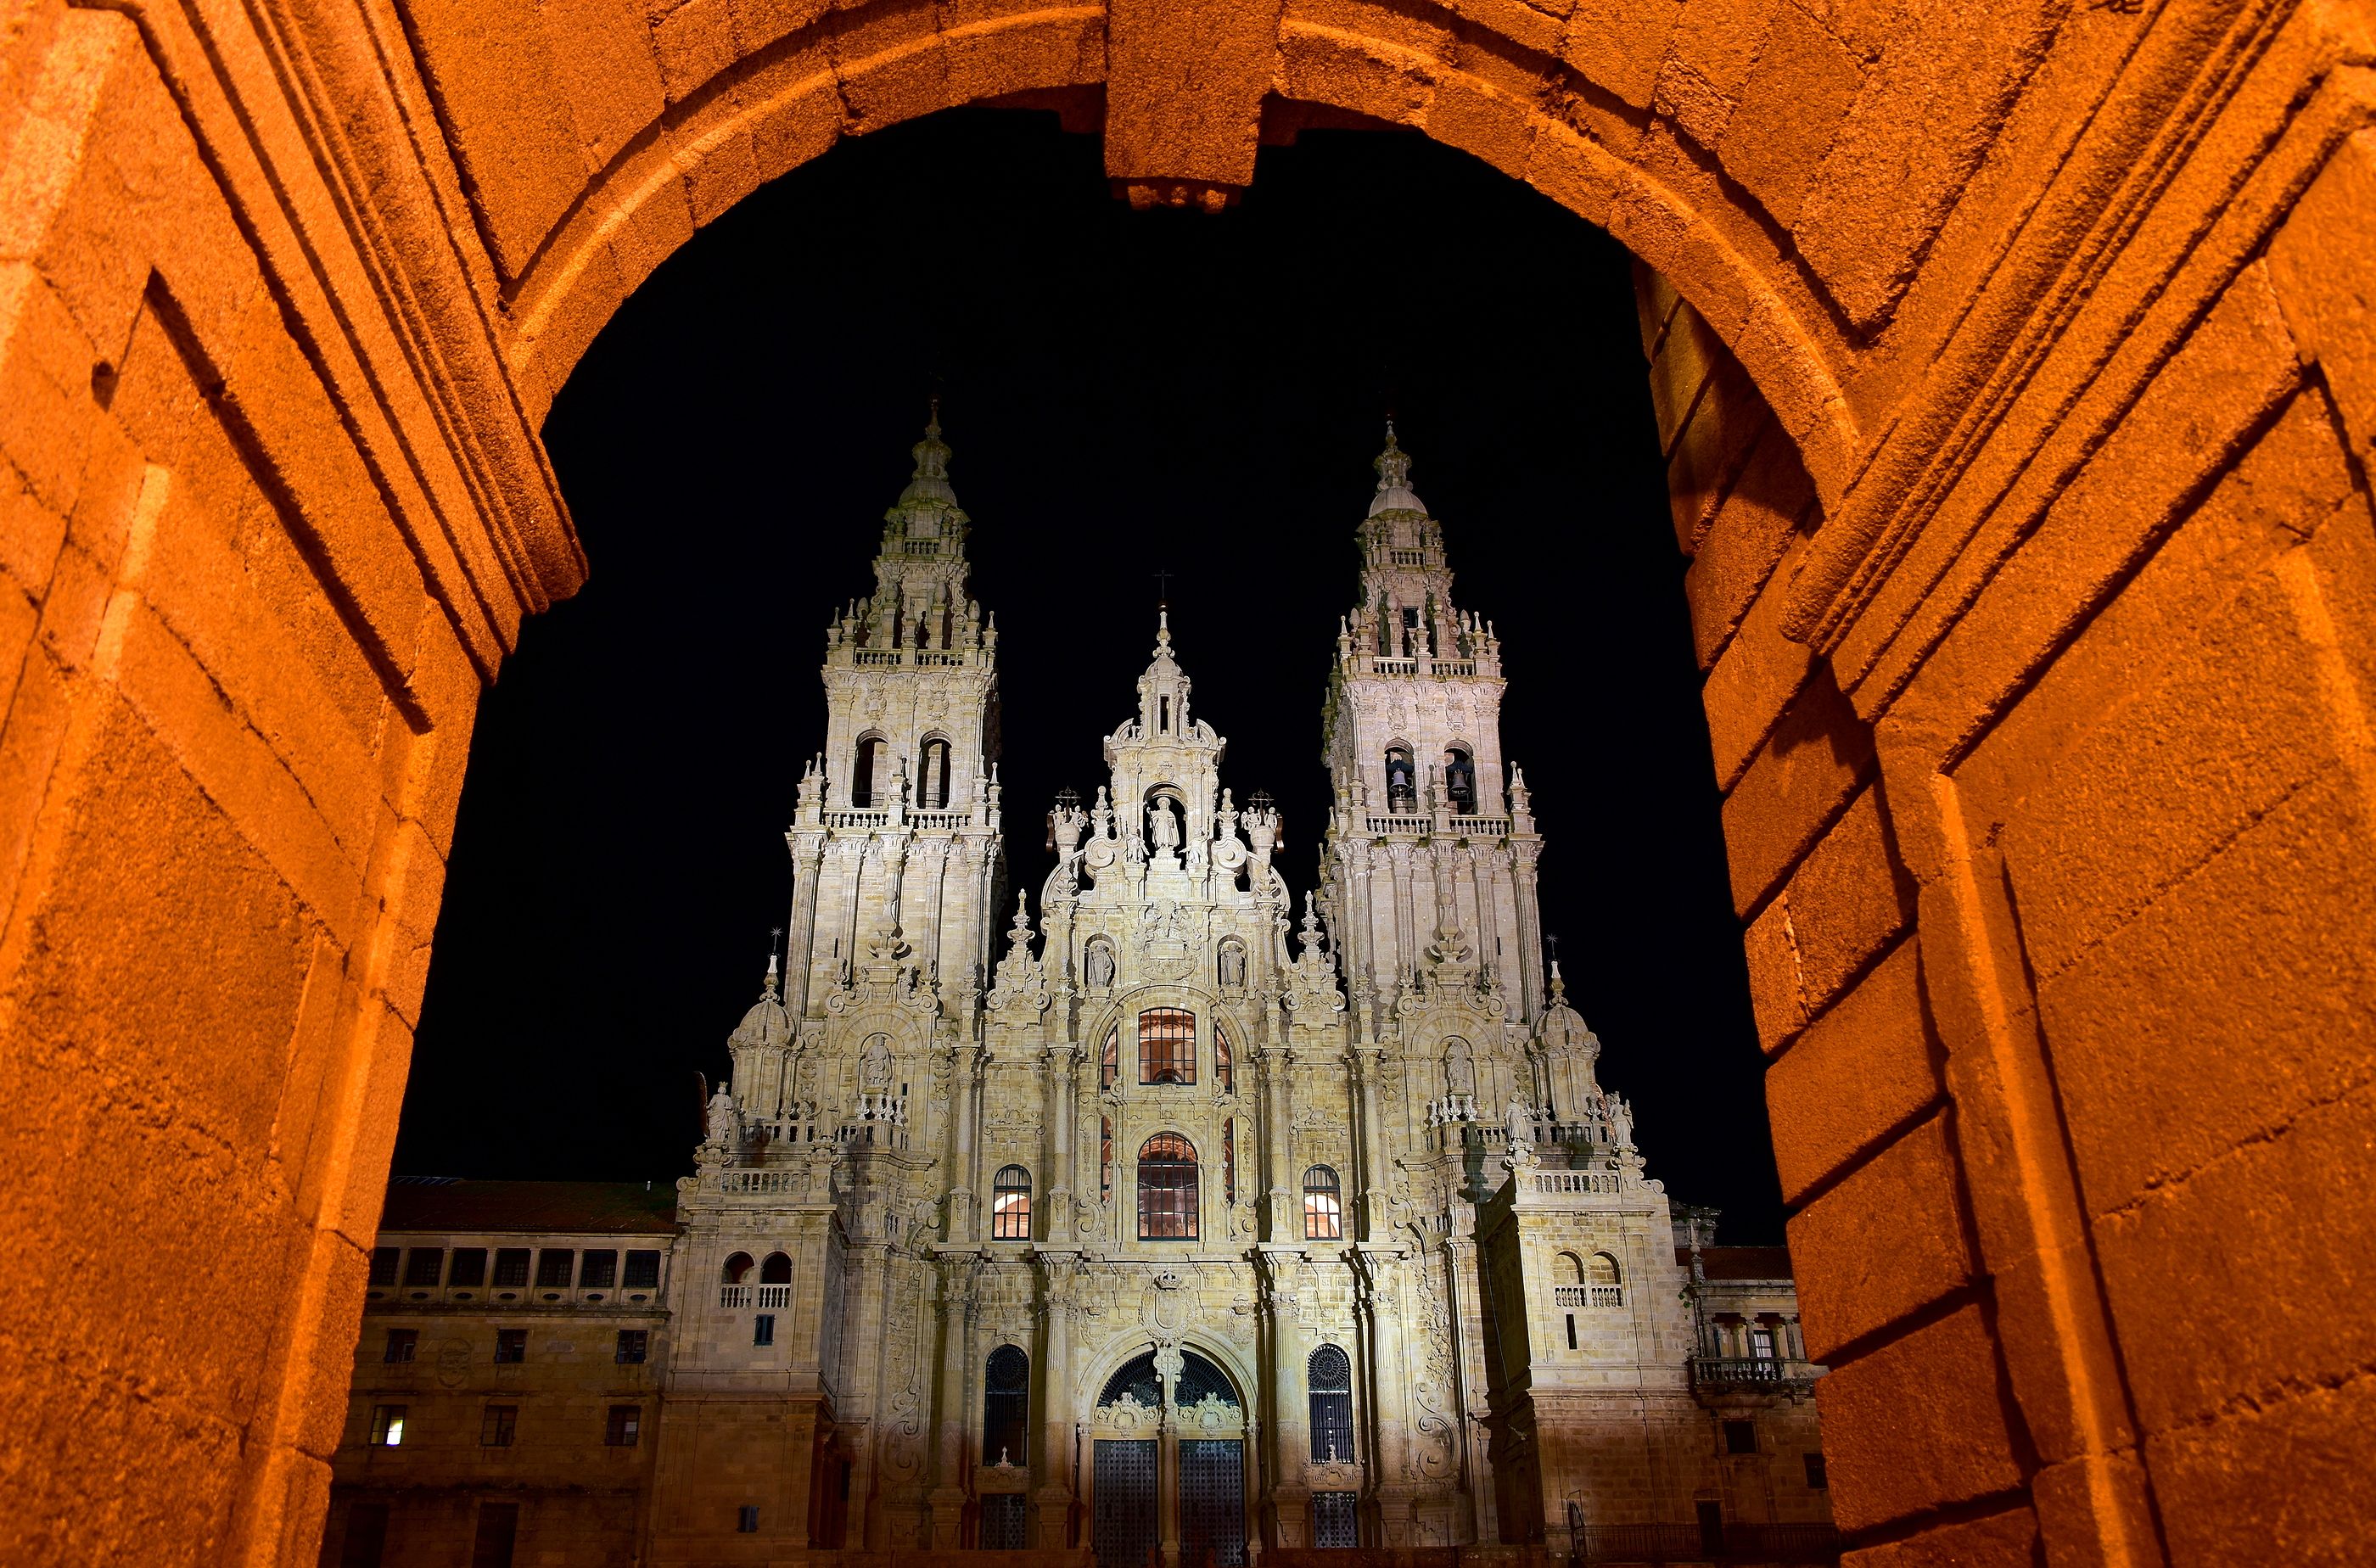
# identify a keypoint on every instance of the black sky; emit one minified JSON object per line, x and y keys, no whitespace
{"x":1124,"y":392}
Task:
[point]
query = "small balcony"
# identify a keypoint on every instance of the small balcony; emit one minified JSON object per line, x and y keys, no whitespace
{"x":1743,"y":1374}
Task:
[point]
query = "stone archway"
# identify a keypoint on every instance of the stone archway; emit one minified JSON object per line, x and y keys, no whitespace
{"x":2019,"y":391}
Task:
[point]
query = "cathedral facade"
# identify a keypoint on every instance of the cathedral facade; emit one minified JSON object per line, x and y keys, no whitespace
{"x":1139,"y":1214}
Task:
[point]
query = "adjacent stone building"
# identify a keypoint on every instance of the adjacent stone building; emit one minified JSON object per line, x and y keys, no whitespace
{"x":1159,"y":1221}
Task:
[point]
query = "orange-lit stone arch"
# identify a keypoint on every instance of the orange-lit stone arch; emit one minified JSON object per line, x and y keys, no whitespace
{"x":2014,"y":368}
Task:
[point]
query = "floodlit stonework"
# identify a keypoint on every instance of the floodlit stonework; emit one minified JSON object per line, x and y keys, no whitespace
{"x":2014,"y":372}
{"x":1133,"y":1229}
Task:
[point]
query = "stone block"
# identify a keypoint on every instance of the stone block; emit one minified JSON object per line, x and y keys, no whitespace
{"x":1868,"y":1066}
{"x":1751,"y":685}
{"x":1754,"y":527}
{"x":1793,"y":104}
{"x":1888,"y":1240}
{"x":1620,"y":44}
{"x":607,"y":73}
{"x":1919,"y":1423}
{"x":2325,"y":280}
{"x":1849,"y":898}
{"x":2277,"y":1481}
{"x":2006,"y":1539}
{"x":1807,"y":770}
{"x":2241,"y":1279}
{"x":1772,"y":951}
{"x":2239,"y":970}
{"x":1712,"y":446}
{"x":1714,"y":48}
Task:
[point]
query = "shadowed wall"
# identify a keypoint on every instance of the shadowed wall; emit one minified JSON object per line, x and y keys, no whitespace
{"x":2019,"y":380}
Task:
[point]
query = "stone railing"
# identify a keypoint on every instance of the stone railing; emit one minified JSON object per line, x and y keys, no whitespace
{"x":1752,"y":1372}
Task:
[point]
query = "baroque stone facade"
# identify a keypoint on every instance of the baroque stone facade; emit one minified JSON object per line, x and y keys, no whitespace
{"x":1166,"y":1221}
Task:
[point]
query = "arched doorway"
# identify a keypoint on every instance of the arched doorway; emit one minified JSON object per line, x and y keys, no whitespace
{"x":1954,"y":276}
{"x":1171,"y":1469}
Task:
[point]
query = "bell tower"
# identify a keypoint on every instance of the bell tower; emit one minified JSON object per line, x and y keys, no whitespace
{"x":895,"y":843}
{"x":1430,"y":859}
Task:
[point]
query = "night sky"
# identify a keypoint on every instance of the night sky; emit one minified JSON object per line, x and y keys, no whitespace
{"x":1124,"y":392}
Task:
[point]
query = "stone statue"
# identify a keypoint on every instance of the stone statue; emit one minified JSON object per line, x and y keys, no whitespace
{"x":1162,"y":828}
{"x":1459,"y":1076}
{"x":1101,"y":964}
{"x":1233,"y":965}
{"x":1521,"y":1125}
{"x":874,"y":1065}
{"x":1621,"y":1122}
{"x":722,"y":1121}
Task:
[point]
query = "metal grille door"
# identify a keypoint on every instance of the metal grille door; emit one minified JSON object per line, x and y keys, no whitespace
{"x":1124,"y":1529}
{"x":1213,"y":1502}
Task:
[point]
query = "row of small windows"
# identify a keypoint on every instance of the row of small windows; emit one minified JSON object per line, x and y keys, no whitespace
{"x":1167,"y":1051}
{"x":499,"y":1425}
{"x":632,"y":1348}
{"x":870,"y":774}
{"x":556,"y":1268}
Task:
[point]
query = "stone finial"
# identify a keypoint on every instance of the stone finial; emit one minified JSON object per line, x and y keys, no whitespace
{"x":1394,"y":493}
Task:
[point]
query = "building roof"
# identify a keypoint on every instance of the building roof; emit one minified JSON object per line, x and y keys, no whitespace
{"x":1740,"y":1263}
{"x":433,"y":1203}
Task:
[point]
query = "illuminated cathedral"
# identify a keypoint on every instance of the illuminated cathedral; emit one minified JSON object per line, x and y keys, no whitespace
{"x":1139,"y":1214}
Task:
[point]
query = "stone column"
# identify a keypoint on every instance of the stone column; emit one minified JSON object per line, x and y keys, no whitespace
{"x":1522,"y":853}
{"x":1058,"y":1272}
{"x":1378,"y":1291}
{"x":1369,"y":1060}
{"x":1289,"y":1517}
{"x":1060,"y":1115}
{"x":956,"y":1360}
{"x":965,"y":1182}
{"x":1278,"y":1141}
{"x":800,"y":948}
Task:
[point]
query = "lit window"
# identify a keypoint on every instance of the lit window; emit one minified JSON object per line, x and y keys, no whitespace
{"x":624,"y":1424}
{"x":1167,"y":1189}
{"x":511,"y":1345}
{"x":497,"y":1425}
{"x":1167,"y":1046}
{"x":1328,"y":1377}
{"x":1010,"y":1205}
{"x":388,"y":1426}
{"x":1760,"y":1343}
{"x":635,"y":1344}
{"x":400,"y":1344}
{"x":1324,"y":1207}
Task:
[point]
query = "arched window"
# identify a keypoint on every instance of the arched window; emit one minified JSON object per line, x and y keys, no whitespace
{"x":1225,"y":1066}
{"x":1105,"y":1158}
{"x":1601,"y":1275}
{"x":777,"y":1270}
{"x":737,"y":1269}
{"x":1167,"y":1189}
{"x":1323,"y":1205}
{"x":1167,"y":1046}
{"x":1460,"y":782}
{"x":1110,"y":1059}
{"x":1329,"y":1377}
{"x":869,"y":770}
{"x":1229,"y":1161}
{"x":1010,"y":1206}
{"x":933,"y":776}
{"x":1402,"y":781}
{"x":1006,"y":1407}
